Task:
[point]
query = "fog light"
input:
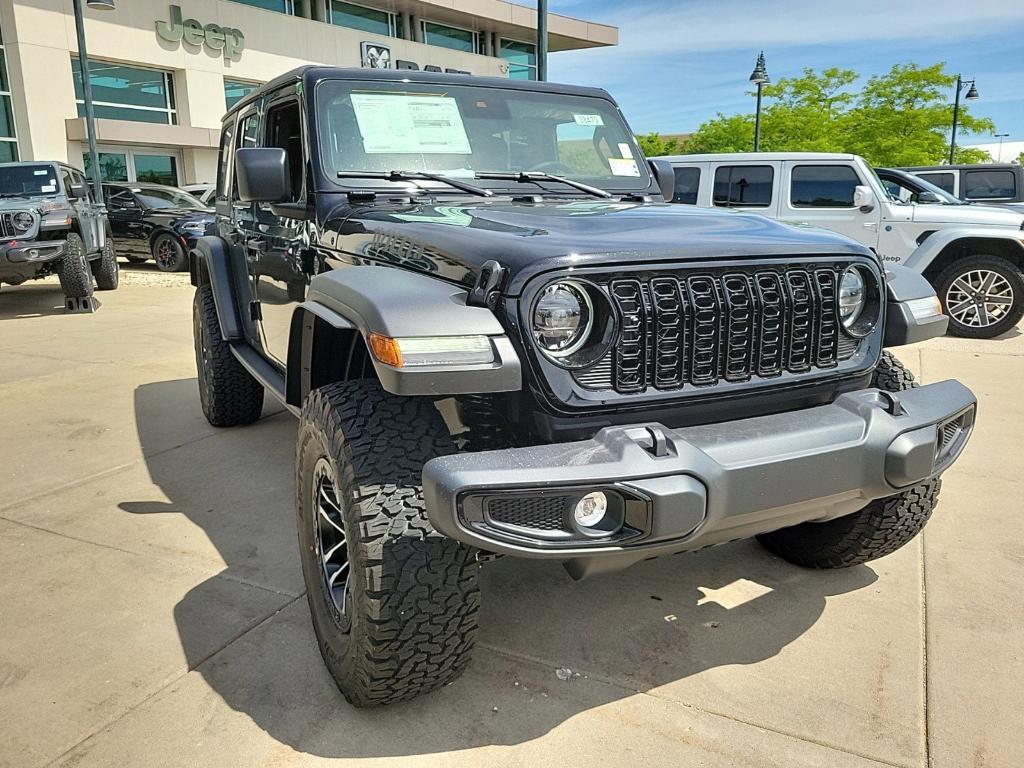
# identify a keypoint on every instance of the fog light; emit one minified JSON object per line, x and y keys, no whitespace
{"x":590,"y":510}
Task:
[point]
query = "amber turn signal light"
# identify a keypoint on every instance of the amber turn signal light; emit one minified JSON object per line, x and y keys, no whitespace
{"x":386,"y":350}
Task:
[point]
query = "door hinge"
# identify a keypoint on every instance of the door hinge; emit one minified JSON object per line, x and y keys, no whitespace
{"x":255,"y":313}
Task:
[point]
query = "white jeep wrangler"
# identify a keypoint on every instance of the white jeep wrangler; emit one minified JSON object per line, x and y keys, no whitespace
{"x":972,"y":255}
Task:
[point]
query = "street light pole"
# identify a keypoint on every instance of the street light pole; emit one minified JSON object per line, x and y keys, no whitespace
{"x":759,"y":77}
{"x":972,"y":94}
{"x":1000,"y":136}
{"x":90,"y":115}
{"x":542,"y":40}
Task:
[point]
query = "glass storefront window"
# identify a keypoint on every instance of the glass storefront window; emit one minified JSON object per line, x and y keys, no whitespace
{"x":8,"y":135}
{"x":113,"y":166}
{"x":158,"y":169}
{"x":521,"y":58}
{"x":370,"y":20}
{"x":449,"y":37}
{"x":127,"y":93}
{"x":281,"y":6}
{"x":236,"y":90}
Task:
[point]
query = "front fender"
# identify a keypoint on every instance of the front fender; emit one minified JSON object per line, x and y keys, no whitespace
{"x":401,"y":304}
{"x":907,"y":319}
{"x":936,"y":243}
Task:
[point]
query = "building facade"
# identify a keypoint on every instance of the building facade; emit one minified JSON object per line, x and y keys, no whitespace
{"x":163,"y":73}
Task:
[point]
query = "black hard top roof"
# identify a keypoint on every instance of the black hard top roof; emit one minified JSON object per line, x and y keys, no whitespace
{"x":311,"y":74}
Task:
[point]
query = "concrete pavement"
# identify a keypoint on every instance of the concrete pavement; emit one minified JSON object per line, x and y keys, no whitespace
{"x":152,"y":609}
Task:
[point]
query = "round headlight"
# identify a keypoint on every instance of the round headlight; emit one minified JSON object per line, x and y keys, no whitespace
{"x":562,"y":318}
{"x":22,"y":221}
{"x":852,"y":297}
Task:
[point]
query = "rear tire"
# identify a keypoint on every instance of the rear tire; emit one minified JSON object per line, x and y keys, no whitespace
{"x":105,"y":268}
{"x":879,"y":529}
{"x":970,"y":289}
{"x":73,"y":269}
{"x":169,"y":254}
{"x":399,"y":618}
{"x":229,"y":394}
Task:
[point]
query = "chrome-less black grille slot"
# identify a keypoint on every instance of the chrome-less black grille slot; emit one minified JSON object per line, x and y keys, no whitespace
{"x":670,"y":333}
{"x":630,"y":369}
{"x":709,"y":327}
{"x":802,"y":310}
{"x":770,"y":350}
{"x":706,"y":330}
{"x":827,"y":351}
{"x":7,"y":225}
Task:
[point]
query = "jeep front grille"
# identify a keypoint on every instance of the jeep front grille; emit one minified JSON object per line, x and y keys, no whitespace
{"x":7,"y":229}
{"x":703,"y":328}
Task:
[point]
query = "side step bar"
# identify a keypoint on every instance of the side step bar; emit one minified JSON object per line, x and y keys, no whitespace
{"x":269,"y":376}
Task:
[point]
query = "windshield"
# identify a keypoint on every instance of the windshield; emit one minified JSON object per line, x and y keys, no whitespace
{"x":460,"y":131}
{"x":166,"y":197}
{"x":27,"y":180}
{"x":907,"y":190}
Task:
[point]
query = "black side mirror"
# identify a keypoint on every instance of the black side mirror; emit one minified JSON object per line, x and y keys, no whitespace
{"x":78,"y":192}
{"x":665,"y":175}
{"x":928,"y":197}
{"x":263,"y":175}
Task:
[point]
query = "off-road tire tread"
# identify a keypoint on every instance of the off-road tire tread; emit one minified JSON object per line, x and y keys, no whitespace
{"x":414,"y":593}
{"x":983,"y":261}
{"x":880,"y":528}
{"x":105,"y":268}
{"x":230,"y":395}
{"x":73,"y":269}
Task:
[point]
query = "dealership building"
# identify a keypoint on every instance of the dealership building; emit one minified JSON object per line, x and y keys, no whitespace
{"x":163,"y":74}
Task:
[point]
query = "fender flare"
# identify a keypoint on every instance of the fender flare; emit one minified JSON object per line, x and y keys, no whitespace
{"x":210,"y":264}
{"x":904,"y":289}
{"x":399,"y":304}
{"x":935,"y":244}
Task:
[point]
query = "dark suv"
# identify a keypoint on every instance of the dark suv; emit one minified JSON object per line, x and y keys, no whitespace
{"x":155,"y":221}
{"x":50,"y":224}
{"x":500,"y":340}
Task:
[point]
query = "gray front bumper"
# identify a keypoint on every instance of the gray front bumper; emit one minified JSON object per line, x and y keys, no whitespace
{"x":687,"y":488}
{"x":32,"y":252}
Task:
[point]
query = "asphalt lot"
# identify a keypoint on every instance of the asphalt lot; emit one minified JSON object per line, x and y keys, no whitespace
{"x":152,"y":614}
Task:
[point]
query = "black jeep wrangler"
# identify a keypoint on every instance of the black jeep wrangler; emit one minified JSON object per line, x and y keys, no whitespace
{"x":500,"y":340}
{"x":50,"y":224}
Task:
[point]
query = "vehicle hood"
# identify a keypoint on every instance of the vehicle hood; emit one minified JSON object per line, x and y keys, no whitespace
{"x":23,"y":202}
{"x":454,"y":241}
{"x":973,"y":215}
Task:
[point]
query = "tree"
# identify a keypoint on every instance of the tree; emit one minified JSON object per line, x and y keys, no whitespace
{"x":653,"y":145}
{"x":902,"y":117}
{"x":1020,"y":159}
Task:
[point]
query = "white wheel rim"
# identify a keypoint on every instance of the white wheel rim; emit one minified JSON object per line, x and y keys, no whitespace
{"x":979,"y":298}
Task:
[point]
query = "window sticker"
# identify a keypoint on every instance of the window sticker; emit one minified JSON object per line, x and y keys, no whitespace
{"x":48,"y":188}
{"x":588,"y":119}
{"x":396,"y":123}
{"x":42,"y":172}
{"x":623,"y":167}
{"x":625,"y":151}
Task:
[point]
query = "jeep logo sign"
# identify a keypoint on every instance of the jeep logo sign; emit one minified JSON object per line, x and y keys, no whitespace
{"x":216,"y":38}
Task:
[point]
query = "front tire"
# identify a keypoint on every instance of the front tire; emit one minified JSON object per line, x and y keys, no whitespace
{"x":394,"y":603}
{"x":73,"y":269}
{"x":229,"y":394}
{"x":169,"y":254}
{"x":105,"y":268}
{"x":983,"y":296}
{"x":879,"y":529}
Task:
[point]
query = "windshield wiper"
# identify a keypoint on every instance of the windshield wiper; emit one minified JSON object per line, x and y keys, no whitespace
{"x":416,"y":176}
{"x":527,"y":177}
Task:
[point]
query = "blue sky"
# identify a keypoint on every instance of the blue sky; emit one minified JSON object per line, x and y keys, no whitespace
{"x":679,"y":62}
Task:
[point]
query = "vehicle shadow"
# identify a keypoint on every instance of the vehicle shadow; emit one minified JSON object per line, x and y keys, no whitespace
{"x":658,"y":623}
{"x":35,"y":299}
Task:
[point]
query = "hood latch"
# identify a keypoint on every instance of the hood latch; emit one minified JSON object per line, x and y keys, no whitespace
{"x":485,"y":292}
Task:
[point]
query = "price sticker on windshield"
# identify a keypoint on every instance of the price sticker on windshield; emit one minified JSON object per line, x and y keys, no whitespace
{"x":588,"y":119}
{"x":622,"y":167}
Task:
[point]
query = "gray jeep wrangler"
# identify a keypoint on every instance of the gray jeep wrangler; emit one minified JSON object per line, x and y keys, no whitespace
{"x":500,"y":340}
{"x":50,"y":224}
